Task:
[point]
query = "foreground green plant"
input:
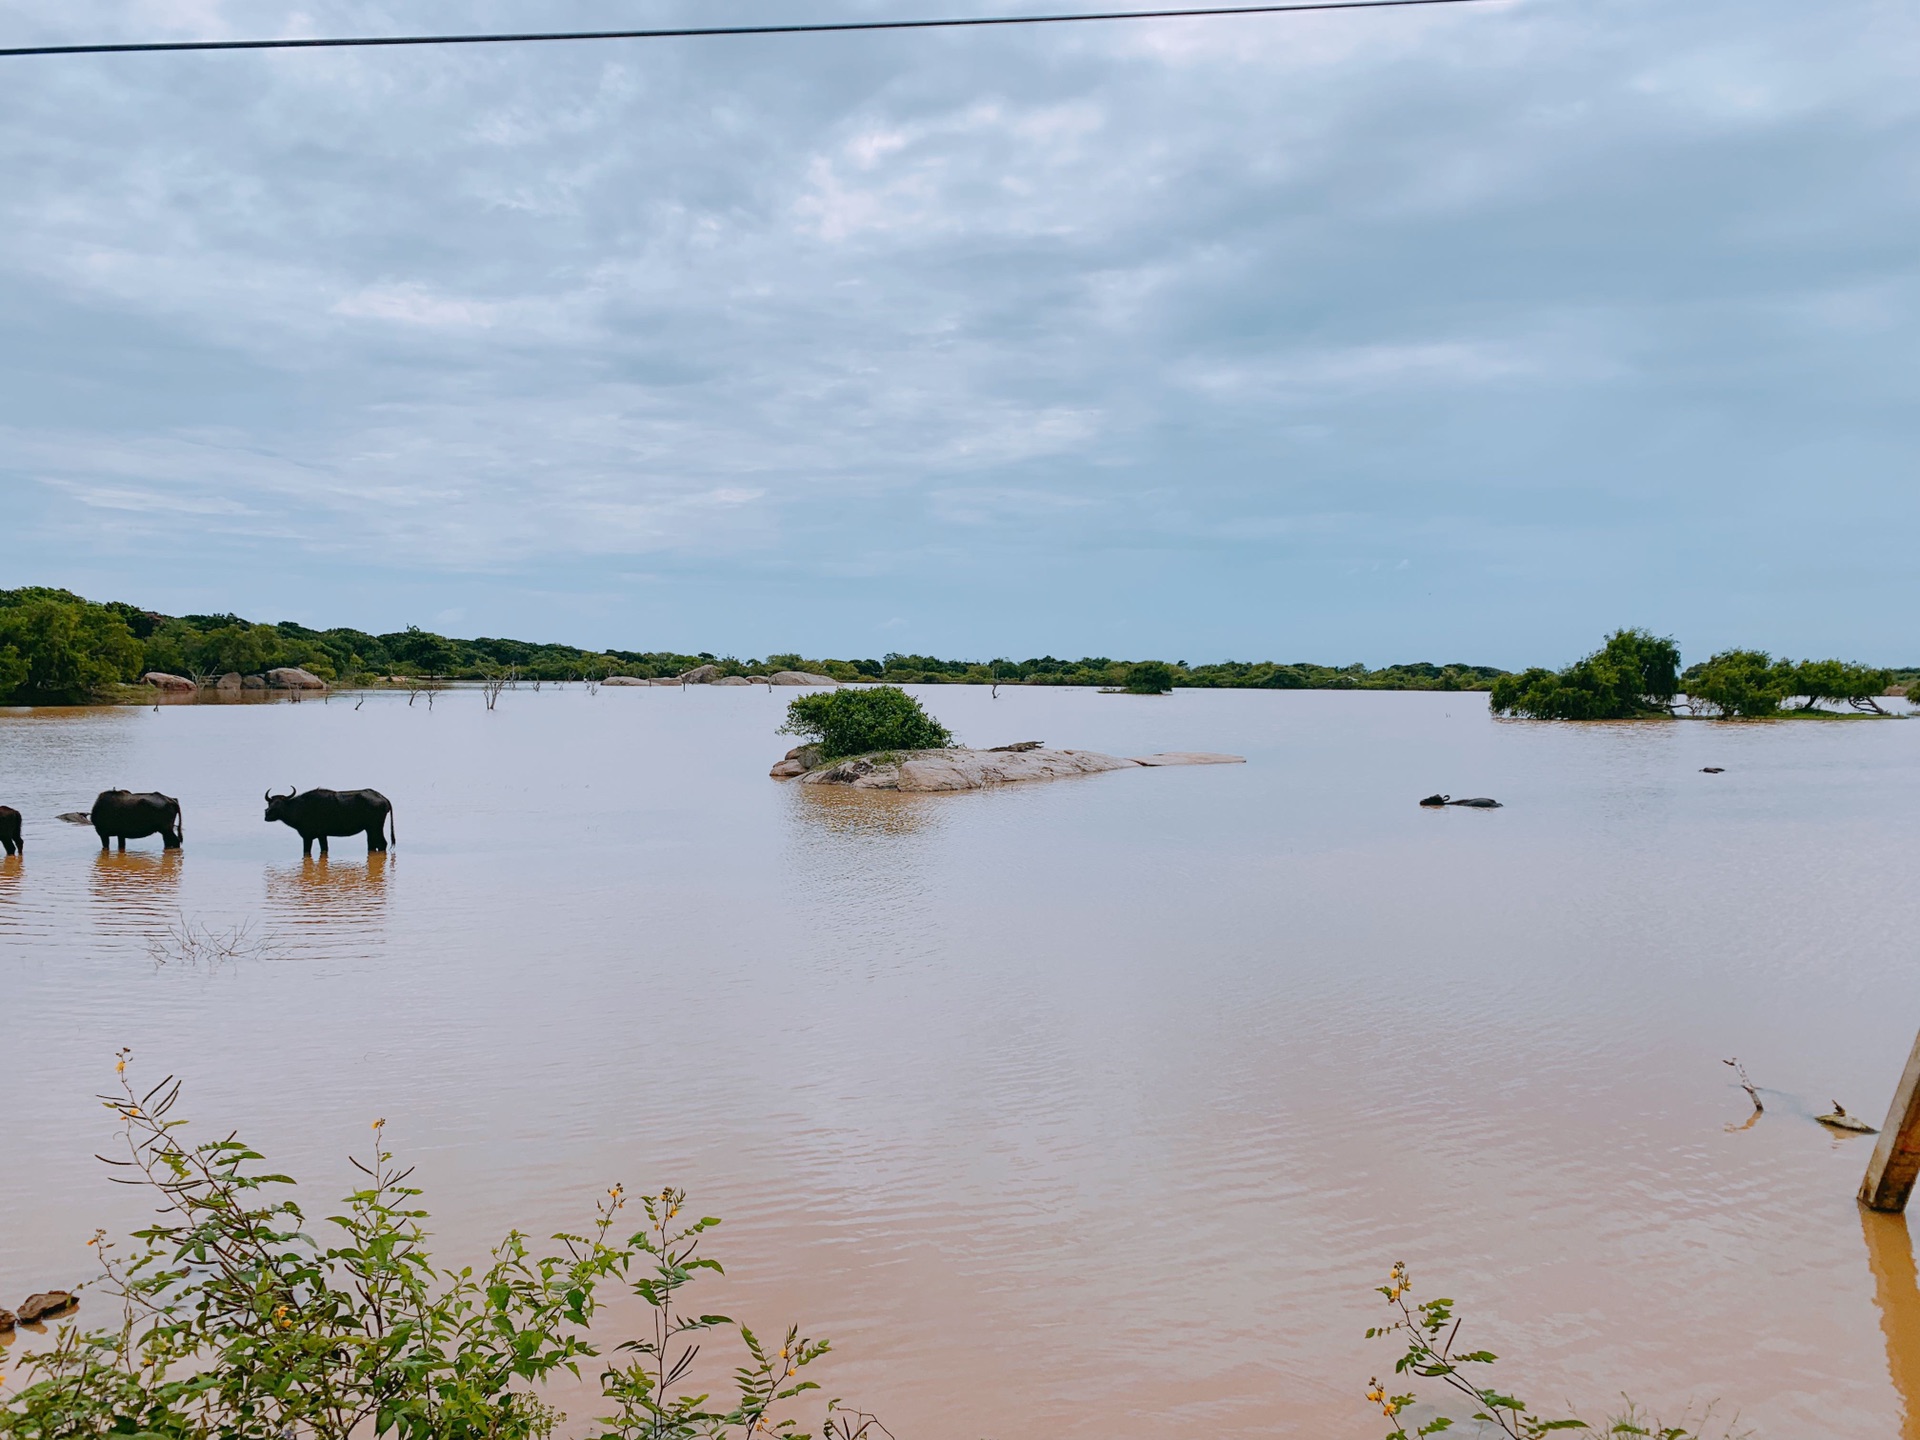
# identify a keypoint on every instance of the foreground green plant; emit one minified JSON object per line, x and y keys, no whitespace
{"x":237,"y":1323}
{"x":1430,"y":1331}
{"x":859,"y":722}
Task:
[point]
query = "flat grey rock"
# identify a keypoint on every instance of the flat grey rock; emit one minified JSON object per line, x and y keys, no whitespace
{"x":931,"y":771}
{"x":1189,"y":757}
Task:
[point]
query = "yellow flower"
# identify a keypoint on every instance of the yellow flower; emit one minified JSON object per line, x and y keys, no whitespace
{"x":380,"y":1122}
{"x":121,"y":1068}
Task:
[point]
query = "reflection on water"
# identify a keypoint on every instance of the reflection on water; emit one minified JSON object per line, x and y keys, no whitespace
{"x":137,"y":892}
{"x":842,"y":811}
{"x":1896,"y":1291}
{"x":11,"y":867}
{"x":336,"y":906}
{"x":860,"y":863}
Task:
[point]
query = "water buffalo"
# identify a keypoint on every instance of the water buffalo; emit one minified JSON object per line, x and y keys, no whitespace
{"x":124,"y":815}
{"x":10,"y":831}
{"x":320,"y":813}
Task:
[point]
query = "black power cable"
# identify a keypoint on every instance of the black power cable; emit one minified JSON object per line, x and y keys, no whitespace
{"x":825,"y":27}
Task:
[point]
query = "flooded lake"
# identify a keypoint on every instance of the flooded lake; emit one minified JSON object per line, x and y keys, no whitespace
{"x":1086,"y":1109}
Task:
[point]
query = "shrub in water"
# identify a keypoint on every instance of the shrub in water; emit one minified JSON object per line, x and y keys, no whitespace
{"x":1634,"y":673}
{"x":1150,"y":677}
{"x":855,"y":722}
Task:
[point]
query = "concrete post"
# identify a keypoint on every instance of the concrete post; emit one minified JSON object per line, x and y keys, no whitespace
{"x":1896,"y":1155}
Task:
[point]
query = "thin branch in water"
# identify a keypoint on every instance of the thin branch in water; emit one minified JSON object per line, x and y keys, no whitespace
{"x":1745,"y":1084}
{"x":194,"y":943}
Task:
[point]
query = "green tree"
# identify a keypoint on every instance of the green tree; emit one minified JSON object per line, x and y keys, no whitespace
{"x":1741,"y":684}
{"x":856,"y":722}
{"x":1149,"y":677}
{"x":1634,"y":673}
{"x":1857,"y":685}
{"x":65,"y":652}
{"x":421,"y":650}
{"x":245,"y":648}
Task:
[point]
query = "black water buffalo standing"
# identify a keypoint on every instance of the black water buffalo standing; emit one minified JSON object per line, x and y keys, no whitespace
{"x":125,"y":815}
{"x":10,"y":831}
{"x":320,"y":813}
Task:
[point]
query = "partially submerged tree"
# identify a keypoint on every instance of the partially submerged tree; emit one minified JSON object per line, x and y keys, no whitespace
{"x":1856,"y":685}
{"x":859,"y":721}
{"x":1635,"y":673}
{"x":1740,"y":684}
{"x":1150,"y":677}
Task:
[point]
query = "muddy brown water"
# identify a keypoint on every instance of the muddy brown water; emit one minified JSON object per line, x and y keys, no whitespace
{"x":1086,"y":1109}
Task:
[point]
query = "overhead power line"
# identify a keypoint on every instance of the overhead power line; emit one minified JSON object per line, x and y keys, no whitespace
{"x":691,"y":32}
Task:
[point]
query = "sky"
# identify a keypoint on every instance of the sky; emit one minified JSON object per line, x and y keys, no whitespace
{"x":1467,"y":333}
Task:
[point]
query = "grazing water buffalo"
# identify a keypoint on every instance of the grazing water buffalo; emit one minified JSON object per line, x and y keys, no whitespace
{"x":125,"y":815}
{"x":10,"y":831}
{"x":320,"y":813}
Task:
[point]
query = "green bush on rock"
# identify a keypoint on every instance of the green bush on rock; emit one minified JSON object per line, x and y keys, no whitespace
{"x":859,"y":721}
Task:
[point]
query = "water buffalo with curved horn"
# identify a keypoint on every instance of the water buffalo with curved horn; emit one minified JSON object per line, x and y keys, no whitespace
{"x":125,"y":815}
{"x":318,"y":814}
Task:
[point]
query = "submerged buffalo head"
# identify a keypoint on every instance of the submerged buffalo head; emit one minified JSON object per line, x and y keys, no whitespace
{"x":277,"y":804}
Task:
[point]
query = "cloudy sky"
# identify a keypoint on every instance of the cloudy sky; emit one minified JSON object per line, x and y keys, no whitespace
{"x":1441,"y":334}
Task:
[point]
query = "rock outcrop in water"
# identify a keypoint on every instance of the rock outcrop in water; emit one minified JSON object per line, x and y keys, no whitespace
{"x":928,"y":771}
{"x":168,"y":684}
{"x":292,"y":677}
{"x":45,"y":1305}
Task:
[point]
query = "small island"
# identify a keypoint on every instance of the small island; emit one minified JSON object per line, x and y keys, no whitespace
{"x":883,"y":739}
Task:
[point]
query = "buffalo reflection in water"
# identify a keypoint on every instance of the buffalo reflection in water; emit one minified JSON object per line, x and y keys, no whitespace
{"x":137,"y":892}
{"x":329,"y":904}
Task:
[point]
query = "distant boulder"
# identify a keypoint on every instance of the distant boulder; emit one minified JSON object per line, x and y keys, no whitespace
{"x":801,"y":677}
{"x":253,"y":682}
{"x":701,"y":675}
{"x":625,"y":680}
{"x":292,"y":677}
{"x":172,"y":684}
{"x":733,"y":680}
{"x":228,"y":684}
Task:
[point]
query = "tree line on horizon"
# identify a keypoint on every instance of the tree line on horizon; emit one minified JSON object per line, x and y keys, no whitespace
{"x":60,"y":648}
